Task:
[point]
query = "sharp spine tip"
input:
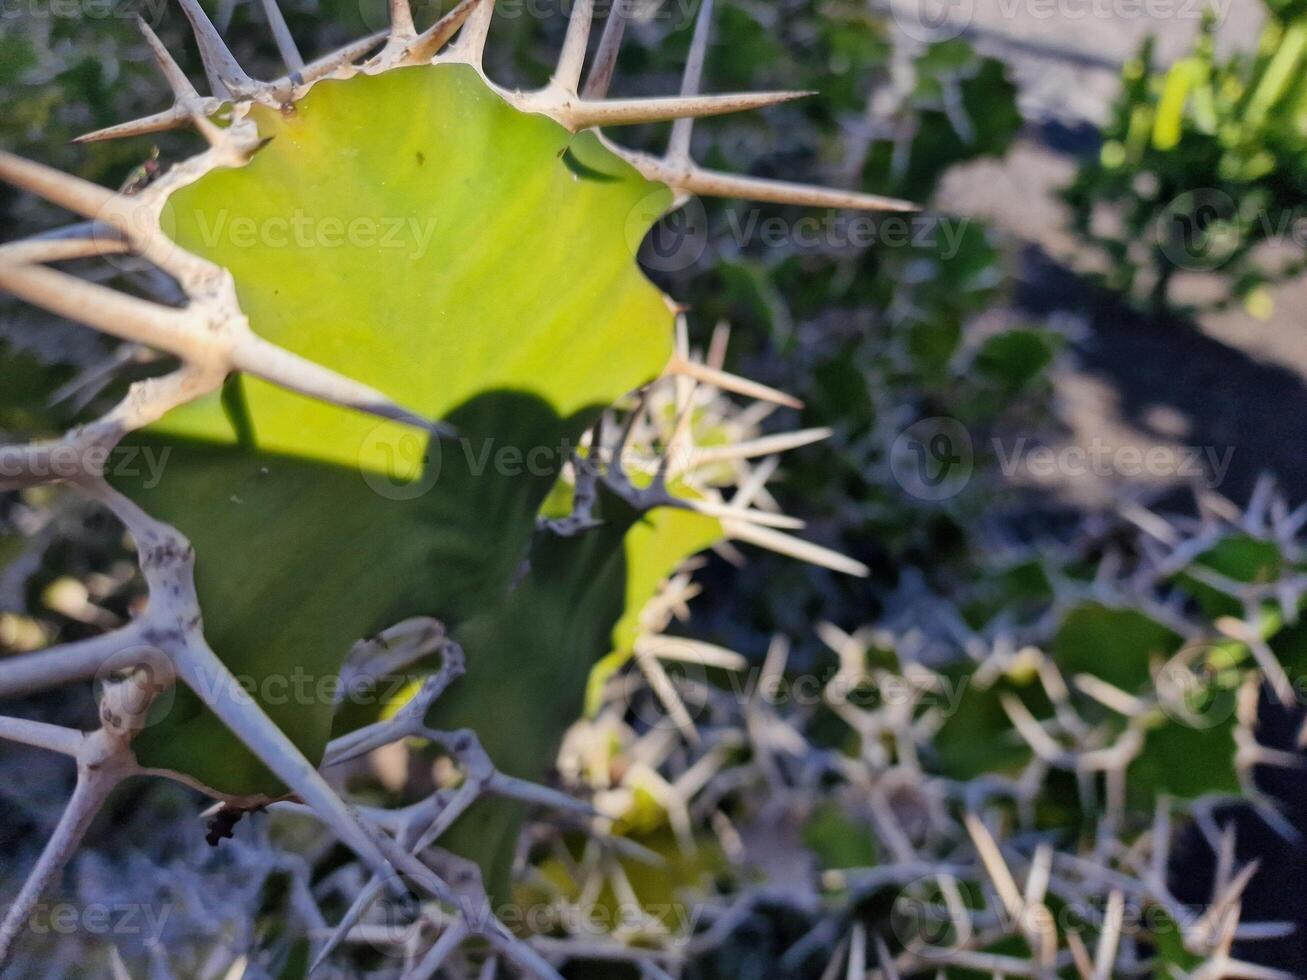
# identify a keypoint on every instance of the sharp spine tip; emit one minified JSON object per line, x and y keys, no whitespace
{"x":624,"y":112}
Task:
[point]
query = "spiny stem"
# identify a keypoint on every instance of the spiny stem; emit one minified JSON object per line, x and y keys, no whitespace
{"x":322,"y":67}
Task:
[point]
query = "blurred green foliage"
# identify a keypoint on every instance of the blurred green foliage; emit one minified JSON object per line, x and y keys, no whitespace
{"x":1202,"y":166}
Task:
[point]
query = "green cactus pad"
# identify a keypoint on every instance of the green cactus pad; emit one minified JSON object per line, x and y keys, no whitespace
{"x":509,"y":305}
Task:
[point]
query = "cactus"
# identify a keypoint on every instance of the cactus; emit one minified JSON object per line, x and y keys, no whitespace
{"x":400,"y":397}
{"x":1021,"y":778}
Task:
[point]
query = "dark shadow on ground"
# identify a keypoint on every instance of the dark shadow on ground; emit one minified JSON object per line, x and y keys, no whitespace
{"x":1278,"y":892}
{"x":1229,"y":399}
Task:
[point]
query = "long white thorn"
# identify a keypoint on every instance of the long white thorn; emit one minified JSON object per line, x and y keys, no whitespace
{"x":687,"y":368}
{"x":401,"y":20}
{"x":41,"y":735}
{"x":1110,"y":938}
{"x":571,"y":60}
{"x":760,"y":518}
{"x":33,"y":251}
{"x":286,"y":47}
{"x":173,"y":331}
{"x":427,"y":44}
{"x":105,"y":309}
{"x":134,"y":217}
{"x":995,"y":866}
{"x":279,"y":366}
{"x":694,"y":179}
{"x":178,"y":117}
{"x":182,"y":89}
{"x":605,"y":59}
{"x":329,"y":63}
{"x":470,"y":45}
{"x":625,"y":112}
{"x":683,"y":650}
{"x":784,"y":544}
{"x":226,"y":77}
{"x":77,"y":195}
{"x":678,"y":147}
{"x":753,"y":448}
